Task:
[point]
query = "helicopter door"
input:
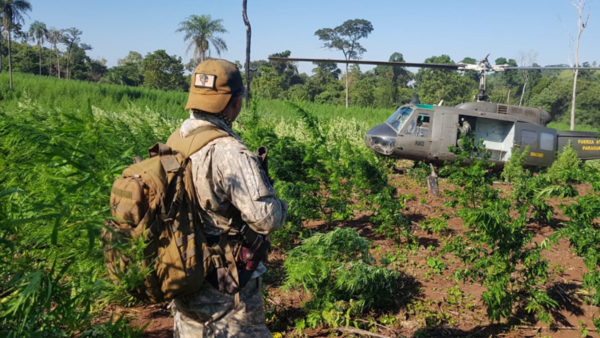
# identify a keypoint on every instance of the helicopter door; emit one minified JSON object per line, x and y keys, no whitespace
{"x":541,"y":142}
{"x":416,"y":136}
{"x":444,"y":136}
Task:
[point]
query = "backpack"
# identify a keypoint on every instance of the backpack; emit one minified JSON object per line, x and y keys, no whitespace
{"x":154,"y":243}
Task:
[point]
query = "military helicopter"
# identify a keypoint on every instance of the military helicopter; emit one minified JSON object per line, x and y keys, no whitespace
{"x":424,"y":132}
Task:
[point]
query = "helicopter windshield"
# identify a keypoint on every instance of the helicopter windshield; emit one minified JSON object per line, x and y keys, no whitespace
{"x":399,"y":118}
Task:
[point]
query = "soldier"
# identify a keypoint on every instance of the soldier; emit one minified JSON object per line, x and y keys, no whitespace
{"x":232,"y":189}
{"x":464,"y":130}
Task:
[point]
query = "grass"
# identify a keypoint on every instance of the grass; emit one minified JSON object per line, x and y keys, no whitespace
{"x":72,"y":95}
{"x":566,"y":126}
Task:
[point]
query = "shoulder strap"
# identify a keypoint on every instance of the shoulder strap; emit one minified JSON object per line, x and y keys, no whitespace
{"x":196,"y":140}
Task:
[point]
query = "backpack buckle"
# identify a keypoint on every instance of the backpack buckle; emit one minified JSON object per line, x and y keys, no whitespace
{"x":170,"y":163}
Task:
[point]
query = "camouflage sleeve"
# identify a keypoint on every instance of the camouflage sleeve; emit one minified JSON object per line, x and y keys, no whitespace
{"x":247,"y":187}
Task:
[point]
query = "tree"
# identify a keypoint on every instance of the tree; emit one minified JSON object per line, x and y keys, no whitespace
{"x":128,"y":72}
{"x":287,"y":70}
{"x":11,"y":12}
{"x":581,"y":25}
{"x":162,"y":71}
{"x":71,"y":37}
{"x":133,"y":58}
{"x":389,"y":78}
{"x":248,"y":38}
{"x":326,"y":72}
{"x":269,"y":85}
{"x":1,"y":38}
{"x":345,"y":38}
{"x":441,"y":84}
{"x":39,"y":33}
{"x":470,"y":73}
{"x":526,"y":60}
{"x":96,"y":69}
{"x":200,"y":33}
{"x":54,"y":37}
{"x":79,"y":68}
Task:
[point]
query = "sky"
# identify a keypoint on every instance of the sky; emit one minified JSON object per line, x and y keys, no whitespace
{"x":418,"y":29}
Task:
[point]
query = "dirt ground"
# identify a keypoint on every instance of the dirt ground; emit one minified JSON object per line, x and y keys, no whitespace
{"x":434,"y":305}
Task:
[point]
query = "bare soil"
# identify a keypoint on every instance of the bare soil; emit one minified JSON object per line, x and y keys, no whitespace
{"x":433,"y":304}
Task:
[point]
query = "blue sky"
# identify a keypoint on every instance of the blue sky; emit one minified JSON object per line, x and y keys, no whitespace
{"x":418,"y":29}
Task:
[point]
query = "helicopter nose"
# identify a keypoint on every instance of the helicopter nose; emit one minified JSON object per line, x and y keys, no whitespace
{"x":381,"y":139}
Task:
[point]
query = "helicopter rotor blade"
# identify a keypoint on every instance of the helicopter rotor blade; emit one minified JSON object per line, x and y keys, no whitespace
{"x":550,"y":68}
{"x":459,"y":66}
{"x":377,"y":63}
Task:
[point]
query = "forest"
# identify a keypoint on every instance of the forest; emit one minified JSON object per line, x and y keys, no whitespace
{"x":379,"y":87}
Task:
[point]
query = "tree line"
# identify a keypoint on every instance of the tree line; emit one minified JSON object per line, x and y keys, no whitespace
{"x":50,"y":51}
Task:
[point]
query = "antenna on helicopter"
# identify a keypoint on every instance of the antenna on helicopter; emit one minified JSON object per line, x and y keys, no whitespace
{"x":415,"y":99}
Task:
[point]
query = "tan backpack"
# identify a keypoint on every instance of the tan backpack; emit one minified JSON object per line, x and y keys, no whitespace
{"x":154,"y":203}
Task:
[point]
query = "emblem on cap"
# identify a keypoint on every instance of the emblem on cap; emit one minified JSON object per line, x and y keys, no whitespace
{"x":205,"y":80}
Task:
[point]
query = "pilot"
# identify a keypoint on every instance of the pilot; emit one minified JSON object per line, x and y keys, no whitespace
{"x":464,"y":130}
{"x":420,"y":126}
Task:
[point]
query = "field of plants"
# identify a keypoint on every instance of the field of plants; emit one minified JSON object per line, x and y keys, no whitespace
{"x":365,"y":249}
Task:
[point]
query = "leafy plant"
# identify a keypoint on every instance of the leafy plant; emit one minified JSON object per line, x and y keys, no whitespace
{"x":436,"y":265}
{"x":567,"y":168}
{"x":513,"y":168}
{"x":338,"y":272}
{"x":434,"y":225}
{"x":583,"y":232}
{"x":498,"y":242}
{"x":115,"y":329}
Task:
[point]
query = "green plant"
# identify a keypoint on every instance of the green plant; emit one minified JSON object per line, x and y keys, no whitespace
{"x":513,"y":168}
{"x":338,"y":272}
{"x":498,"y":242}
{"x":583,"y":332}
{"x":435,"y":225}
{"x":567,"y":168}
{"x":583,"y":232}
{"x":436,"y":265}
{"x":115,"y":329}
{"x":419,"y":173}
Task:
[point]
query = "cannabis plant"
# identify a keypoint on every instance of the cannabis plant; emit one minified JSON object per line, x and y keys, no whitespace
{"x":337,"y":270}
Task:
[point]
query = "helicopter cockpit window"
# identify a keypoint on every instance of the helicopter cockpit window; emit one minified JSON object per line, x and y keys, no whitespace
{"x":399,"y":118}
{"x":418,"y":126}
{"x":422,"y":125}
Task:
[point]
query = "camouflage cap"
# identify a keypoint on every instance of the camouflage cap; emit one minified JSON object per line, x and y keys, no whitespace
{"x":214,"y":81}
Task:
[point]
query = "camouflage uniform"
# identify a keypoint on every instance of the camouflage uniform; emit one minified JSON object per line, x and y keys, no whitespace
{"x":465,"y":129}
{"x":230,"y":185}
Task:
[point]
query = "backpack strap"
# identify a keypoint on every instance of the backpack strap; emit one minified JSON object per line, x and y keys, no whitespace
{"x":223,"y":252}
{"x":196,"y":140}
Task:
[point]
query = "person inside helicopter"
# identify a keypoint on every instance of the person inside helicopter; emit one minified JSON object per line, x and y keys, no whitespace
{"x":464,"y":129}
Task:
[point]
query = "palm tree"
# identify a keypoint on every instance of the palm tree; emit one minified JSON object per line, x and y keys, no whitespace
{"x":70,"y":39}
{"x":200,"y":32}
{"x":12,"y":13}
{"x":38,"y":32}
{"x":55,"y":36}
